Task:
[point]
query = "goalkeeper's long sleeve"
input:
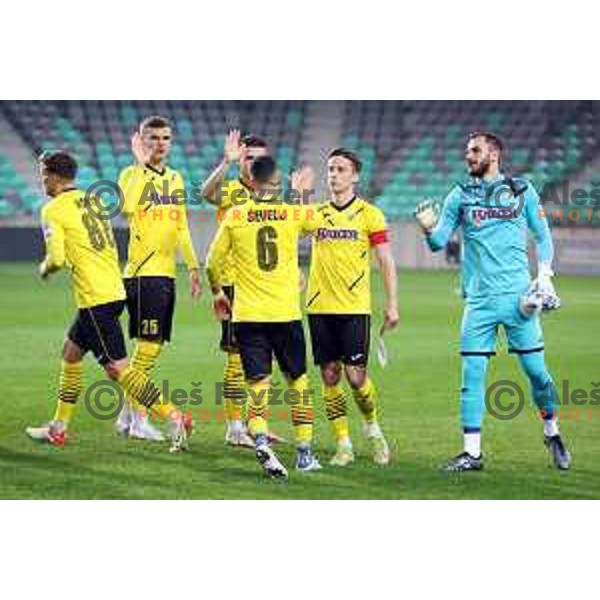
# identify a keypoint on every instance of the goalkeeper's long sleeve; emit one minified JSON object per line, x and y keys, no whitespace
{"x":537,"y":223}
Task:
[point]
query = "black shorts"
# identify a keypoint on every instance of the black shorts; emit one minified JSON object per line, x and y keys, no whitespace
{"x":98,"y":329}
{"x":151,"y":304}
{"x":344,"y":338}
{"x":228,"y":341}
{"x":259,"y":342}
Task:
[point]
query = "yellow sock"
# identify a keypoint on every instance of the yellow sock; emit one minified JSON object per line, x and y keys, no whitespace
{"x":365,"y":400}
{"x":145,"y":355}
{"x":303,"y":415}
{"x":335,"y":409}
{"x":68,"y":390}
{"x":258,"y":397}
{"x":143,"y":391}
{"x":234,"y":392}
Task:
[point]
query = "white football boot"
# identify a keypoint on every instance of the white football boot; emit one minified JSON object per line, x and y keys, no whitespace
{"x":237,"y":435}
{"x":52,"y":432}
{"x":271,"y":465}
{"x":344,"y":454}
{"x":379,"y":445}
{"x":124,"y":419}
{"x":141,"y":429}
{"x":306,"y":461}
{"x":181,"y":430}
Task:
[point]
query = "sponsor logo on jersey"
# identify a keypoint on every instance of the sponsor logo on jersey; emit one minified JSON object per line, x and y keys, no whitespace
{"x":336,"y":234}
{"x":478,"y":215}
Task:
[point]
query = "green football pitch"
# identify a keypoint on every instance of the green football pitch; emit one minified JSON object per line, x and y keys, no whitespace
{"x":418,"y":395}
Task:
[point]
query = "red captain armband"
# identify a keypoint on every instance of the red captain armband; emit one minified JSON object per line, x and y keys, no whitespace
{"x":379,"y":237}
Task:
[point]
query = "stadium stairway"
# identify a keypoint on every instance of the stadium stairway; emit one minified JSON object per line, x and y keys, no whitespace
{"x":323,"y":128}
{"x":17,"y":152}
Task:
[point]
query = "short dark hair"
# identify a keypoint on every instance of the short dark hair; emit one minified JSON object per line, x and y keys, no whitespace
{"x":59,"y":163}
{"x":349,"y":155}
{"x":253,"y":141}
{"x":263,"y":169}
{"x":155,"y":122}
{"x":491,"y":138}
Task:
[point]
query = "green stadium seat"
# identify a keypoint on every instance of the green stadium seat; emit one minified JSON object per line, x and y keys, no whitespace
{"x":129,"y":116}
{"x":7,"y":209}
{"x":184,"y":129}
{"x":293,"y":119}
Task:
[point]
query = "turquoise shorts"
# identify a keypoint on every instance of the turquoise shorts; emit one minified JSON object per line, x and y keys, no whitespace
{"x":482,"y":318}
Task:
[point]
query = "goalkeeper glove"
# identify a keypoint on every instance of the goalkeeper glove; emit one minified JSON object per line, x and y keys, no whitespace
{"x":427,"y":214}
{"x":541,"y":294}
{"x":550,"y":299}
{"x":531,"y":301}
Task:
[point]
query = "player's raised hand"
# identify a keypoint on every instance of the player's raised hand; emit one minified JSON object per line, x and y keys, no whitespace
{"x":141,"y":153}
{"x":222,"y":306}
{"x":195,"y":284}
{"x":303,"y":179}
{"x":232,"y":148}
{"x":427,"y":214}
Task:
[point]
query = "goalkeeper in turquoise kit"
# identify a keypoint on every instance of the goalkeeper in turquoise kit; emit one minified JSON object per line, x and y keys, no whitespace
{"x":495,"y":213}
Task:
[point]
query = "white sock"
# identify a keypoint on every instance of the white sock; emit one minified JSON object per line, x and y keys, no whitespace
{"x":136,"y":414}
{"x":345,"y":443}
{"x":373,"y":430}
{"x":473,"y":444}
{"x":235,"y":426}
{"x":125,"y":416}
{"x":550,"y":427}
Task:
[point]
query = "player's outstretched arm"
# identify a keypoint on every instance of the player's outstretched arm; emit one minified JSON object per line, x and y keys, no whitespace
{"x":232,"y":151}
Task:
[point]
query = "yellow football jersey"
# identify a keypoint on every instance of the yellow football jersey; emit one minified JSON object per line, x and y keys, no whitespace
{"x":158,"y":222}
{"x":75,"y":237}
{"x":339,"y":281}
{"x":262,"y":238}
{"x":233,"y":192}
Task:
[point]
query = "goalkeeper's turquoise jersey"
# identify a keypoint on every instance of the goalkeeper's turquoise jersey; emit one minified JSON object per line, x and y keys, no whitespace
{"x":494,"y":217}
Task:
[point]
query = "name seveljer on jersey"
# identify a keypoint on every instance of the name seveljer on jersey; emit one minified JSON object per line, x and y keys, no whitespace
{"x":268,"y":214}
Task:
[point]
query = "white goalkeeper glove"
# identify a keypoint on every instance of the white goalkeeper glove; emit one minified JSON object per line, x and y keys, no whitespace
{"x":427,"y":214}
{"x":531,"y":301}
{"x":541,"y":294}
{"x":550,"y":299}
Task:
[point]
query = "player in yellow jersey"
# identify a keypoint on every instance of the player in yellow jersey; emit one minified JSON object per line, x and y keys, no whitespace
{"x":158,"y":227}
{"x":223,"y":194}
{"x":76,"y":237}
{"x":262,"y":237}
{"x":338,"y":301}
